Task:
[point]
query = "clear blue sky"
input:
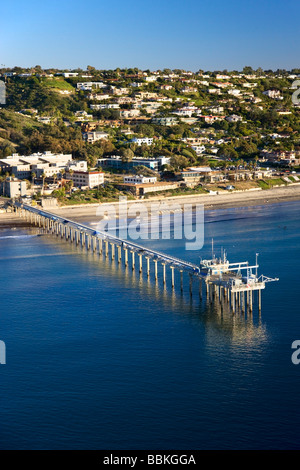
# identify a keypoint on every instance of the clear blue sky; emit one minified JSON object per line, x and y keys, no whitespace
{"x":155,"y":34}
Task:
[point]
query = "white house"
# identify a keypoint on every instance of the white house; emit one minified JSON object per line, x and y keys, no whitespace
{"x":234,"y":118}
{"x":274,"y":94}
{"x":88,"y":86}
{"x":142,"y":140}
{"x":94,"y":136}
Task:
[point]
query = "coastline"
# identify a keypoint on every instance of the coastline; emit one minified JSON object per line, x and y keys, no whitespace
{"x":10,"y":219}
{"x":87,"y":213}
{"x":218,"y":201}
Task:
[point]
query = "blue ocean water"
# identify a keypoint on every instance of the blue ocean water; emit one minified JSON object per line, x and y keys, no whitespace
{"x":102,"y":358}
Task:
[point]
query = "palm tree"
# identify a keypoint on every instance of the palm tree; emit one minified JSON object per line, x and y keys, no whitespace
{"x":33,"y":175}
{"x":43,"y":178}
{"x":226,"y":165}
{"x":237,"y":165}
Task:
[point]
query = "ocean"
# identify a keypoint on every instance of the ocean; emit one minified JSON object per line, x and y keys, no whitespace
{"x":100,"y":357}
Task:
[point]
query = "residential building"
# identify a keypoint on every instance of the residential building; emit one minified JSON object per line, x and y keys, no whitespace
{"x":142,"y":140}
{"x":94,"y":136}
{"x":274,"y":94}
{"x":129,"y":113}
{"x":97,"y":107}
{"x":88,"y":86}
{"x":44,"y":119}
{"x":165,"y":121}
{"x":234,"y":118}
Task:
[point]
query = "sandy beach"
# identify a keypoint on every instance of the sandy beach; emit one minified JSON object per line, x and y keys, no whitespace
{"x":217,"y":201}
{"x":10,"y":219}
{"x":88,"y":212}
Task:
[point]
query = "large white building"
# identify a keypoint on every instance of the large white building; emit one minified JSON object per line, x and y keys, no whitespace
{"x":88,"y":179}
{"x":46,"y":163}
{"x":12,"y":187}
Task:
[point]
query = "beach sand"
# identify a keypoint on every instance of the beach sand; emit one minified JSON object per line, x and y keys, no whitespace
{"x":10,"y":219}
{"x":88,"y":213}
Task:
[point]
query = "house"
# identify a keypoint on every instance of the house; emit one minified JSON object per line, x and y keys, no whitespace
{"x":88,"y":86}
{"x":217,"y":109}
{"x":44,"y":119}
{"x":187,"y":111}
{"x":142,"y":140}
{"x":211,"y":119}
{"x":189,"y":89}
{"x":195,"y":175}
{"x":165,"y":121}
{"x":97,"y":107}
{"x":166,"y":87}
{"x":199,"y":149}
{"x":151,"y":78}
{"x":82,"y":116}
{"x":234,"y":118}
{"x":68,"y":74}
{"x":129,"y":113}
{"x":222,"y":77}
{"x":119,"y":91}
{"x":274,"y":94}
{"x":94,"y":136}
{"x":99,"y":97}
{"x":137,"y":84}
{"x":214,"y":91}
{"x":234,"y":92}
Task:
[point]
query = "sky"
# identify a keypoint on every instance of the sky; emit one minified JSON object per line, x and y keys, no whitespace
{"x":156,"y":34}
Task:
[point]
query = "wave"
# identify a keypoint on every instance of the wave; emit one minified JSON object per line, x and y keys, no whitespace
{"x":17,"y":236}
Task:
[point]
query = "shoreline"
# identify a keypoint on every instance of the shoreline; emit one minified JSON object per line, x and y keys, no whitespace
{"x":88,"y":212}
{"x":211,"y":202}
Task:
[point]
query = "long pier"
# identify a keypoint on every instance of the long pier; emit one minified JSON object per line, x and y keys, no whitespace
{"x":224,"y":281}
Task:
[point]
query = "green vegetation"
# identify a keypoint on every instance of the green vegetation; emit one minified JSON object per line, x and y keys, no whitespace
{"x":235,"y":130}
{"x":267,"y":184}
{"x":102,"y":194}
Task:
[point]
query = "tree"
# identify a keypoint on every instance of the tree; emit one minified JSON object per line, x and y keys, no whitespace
{"x":43,"y":178}
{"x":178,"y":162}
{"x":126,"y":154}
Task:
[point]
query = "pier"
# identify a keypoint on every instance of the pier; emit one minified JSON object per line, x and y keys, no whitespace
{"x":234,"y":284}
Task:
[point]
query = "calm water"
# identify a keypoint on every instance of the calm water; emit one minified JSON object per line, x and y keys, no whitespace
{"x":97,"y":358}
